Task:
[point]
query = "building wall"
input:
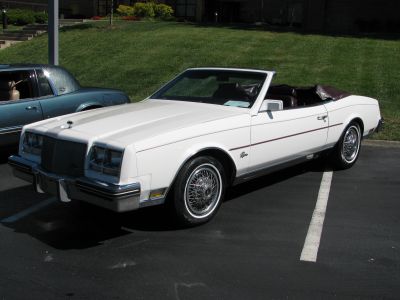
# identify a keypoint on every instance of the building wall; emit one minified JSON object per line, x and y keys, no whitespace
{"x":330,"y":16}
{"x":37,"y":5}
{"x":77,"y":8}
{"x":362,"y":16}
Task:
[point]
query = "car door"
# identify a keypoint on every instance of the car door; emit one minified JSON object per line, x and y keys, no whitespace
{"x":285,"y":135}
{"x":16,"y":113}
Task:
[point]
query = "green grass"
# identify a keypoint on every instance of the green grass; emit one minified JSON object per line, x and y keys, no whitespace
{"x":138,"y":57}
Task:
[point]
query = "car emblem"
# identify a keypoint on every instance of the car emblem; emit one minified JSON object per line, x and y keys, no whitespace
{"x":243,"y":154}
{"x":70,"y":123}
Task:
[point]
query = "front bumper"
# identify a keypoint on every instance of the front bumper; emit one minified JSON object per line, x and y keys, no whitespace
{"x":118,"y":198}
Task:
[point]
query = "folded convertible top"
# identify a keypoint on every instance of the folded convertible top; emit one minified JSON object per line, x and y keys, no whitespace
{"x":330,"y":93}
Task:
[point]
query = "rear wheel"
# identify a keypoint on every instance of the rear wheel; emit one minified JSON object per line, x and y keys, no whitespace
{"x":199,"y":190}
{"x":347,"y":150}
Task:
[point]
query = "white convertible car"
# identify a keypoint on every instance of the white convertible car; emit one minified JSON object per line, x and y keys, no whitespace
{"x":203,"y":131}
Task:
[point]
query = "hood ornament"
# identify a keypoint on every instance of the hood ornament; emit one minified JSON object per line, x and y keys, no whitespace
{"x":70,"y":123}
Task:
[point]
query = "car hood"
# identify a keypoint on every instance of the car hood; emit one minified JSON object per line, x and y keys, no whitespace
{"x":145,"y":124}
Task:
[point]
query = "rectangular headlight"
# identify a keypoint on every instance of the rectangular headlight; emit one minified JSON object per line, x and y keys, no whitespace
{"x":32,"y":143}
{"x":105,"y":161}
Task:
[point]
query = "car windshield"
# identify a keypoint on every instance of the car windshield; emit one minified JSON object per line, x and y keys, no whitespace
{"x":222,"y":87}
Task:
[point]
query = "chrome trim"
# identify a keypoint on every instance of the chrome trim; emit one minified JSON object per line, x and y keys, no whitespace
{"x":21,"y":164}
{"x":112,"y":196}
{"x":9,"y":130}
{"x":109,"y":191}
{"x":280,"y":164}
{"x":284,"y":137}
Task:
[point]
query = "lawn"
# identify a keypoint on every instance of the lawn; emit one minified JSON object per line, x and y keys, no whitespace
{"x":138,"y":57}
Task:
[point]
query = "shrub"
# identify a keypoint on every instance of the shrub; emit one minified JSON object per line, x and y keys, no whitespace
{"x":41,"y":17}
{"x":144,"y":10}
{"x":163,"y":11}
{"x":130,"y":18}
{"x":125,"y":10}
{"x":20,"y":16}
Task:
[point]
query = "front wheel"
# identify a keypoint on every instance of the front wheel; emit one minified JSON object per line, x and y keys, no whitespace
{"x":199,"y":190}
{"x":347,"y":150}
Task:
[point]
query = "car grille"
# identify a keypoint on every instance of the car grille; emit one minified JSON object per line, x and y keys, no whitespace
{"x":63,"y":157}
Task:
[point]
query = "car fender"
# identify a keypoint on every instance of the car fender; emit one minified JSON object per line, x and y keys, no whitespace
{"x":210,"y":149}
{"x":352,"y":117}
{"x":173,"y":160}
{"x":89,"y":105}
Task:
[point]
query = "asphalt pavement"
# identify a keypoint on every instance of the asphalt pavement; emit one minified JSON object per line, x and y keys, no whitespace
{"x":251,"y":250}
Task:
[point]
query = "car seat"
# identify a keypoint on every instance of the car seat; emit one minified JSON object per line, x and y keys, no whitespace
{"x":8,"y":91}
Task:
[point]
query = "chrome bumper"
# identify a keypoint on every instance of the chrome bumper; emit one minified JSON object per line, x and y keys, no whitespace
{"x":118,"y":198}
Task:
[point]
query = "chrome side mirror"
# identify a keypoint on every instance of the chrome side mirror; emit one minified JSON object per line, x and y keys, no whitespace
{"x":271,"y":105}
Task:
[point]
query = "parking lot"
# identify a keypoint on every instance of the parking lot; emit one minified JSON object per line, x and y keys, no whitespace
{"x":251,"y":250}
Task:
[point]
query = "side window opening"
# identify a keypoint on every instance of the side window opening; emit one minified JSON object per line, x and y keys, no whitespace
{"x":15,"y":85}
{"x":44,"y":84}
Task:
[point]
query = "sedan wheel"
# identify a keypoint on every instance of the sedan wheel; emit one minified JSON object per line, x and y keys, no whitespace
{"x":351,"y":144}
{"x":198,"y":190}
{"x":347,"y":150}
{"x":203,"y":190}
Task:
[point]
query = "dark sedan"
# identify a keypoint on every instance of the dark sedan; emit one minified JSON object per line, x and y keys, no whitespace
{"x":30,"y":93}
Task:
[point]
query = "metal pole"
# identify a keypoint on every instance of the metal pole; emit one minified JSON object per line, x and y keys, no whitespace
{"x":53,"y":31}
{"x":4,"y":15}
{"x":111,"y":12}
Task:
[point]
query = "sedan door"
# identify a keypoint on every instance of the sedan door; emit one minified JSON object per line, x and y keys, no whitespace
{"x":13,"y":115}
{"x":23,"y":110}
{"x":285,"y":135}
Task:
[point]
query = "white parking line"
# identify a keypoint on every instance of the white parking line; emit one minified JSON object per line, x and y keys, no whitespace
{"x":30,"y":210}
{"x":311,"y":244}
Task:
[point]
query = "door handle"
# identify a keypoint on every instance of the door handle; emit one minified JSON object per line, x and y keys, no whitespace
{"x":31,"y":108}
{"x":322,"y":118}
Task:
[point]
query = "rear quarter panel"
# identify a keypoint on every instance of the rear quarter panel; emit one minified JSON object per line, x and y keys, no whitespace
{"x":343,"y":111}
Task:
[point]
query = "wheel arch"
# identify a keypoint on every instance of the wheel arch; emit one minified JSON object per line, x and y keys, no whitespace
{"x":88,"y":106}
{"x":358,"y":120}
{"x":221,"y":155}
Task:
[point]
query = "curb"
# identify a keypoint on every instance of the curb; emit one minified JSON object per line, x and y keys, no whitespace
{"x":381,"y":143}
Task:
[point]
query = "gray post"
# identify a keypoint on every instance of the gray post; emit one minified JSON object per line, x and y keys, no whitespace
{"x":111,"y":13}
{"x":53,"y":32}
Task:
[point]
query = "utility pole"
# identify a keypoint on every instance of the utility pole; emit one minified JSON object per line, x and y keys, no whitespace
{"x":111,"y":13}
{"x":53,"y":31}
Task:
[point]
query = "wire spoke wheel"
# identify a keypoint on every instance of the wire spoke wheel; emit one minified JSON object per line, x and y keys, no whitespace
{"x":203,"y":190}
{"x":351,"y":144}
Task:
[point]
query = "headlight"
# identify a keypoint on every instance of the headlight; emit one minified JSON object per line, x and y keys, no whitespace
{"x":32,"y":143}
{"x":105,"y":161}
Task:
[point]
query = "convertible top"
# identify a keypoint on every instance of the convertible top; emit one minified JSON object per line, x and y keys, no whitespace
{"x":330,"y":93}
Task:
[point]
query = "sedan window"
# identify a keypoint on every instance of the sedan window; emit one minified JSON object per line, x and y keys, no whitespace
{"x":62,"y":80}
{"x":15,"y":85}
{"x":44,"y":85}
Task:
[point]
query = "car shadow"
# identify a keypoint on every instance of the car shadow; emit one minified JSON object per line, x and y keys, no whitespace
{"x":78,"y":225}
{"x":5,"y":154}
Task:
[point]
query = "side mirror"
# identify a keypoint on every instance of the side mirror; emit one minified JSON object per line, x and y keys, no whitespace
{"x":271,"y":105}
